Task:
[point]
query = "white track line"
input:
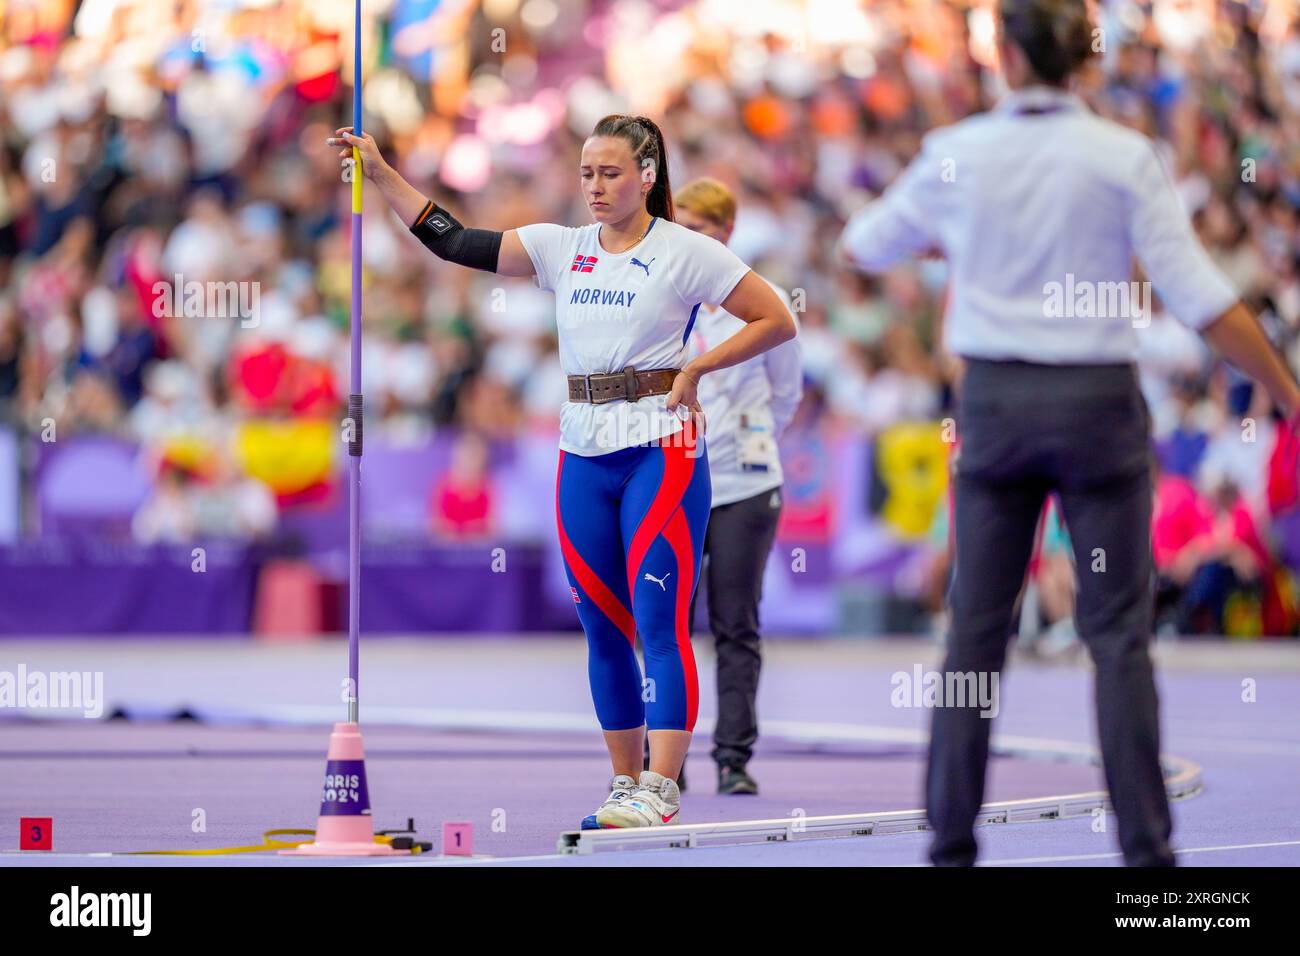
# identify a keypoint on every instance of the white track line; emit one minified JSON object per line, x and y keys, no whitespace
{"x":436,"y":860}
{"x":1224,"y":745}
{"x":1103,"y":856}
{"x":802,"y":731}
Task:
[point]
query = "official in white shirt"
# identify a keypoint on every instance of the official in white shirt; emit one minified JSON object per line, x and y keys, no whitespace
{"x":1040,"y":208}
{"x":747,"y":406}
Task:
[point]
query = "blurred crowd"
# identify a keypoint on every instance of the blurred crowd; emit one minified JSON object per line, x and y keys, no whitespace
{"x":148,"y":146}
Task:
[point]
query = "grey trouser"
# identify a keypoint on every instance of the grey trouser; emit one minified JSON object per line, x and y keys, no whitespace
{"x":1083,"y":431}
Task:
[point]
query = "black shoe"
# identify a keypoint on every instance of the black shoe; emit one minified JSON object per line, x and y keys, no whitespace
{"x":735,"y":780}
{"x":681,"y":777}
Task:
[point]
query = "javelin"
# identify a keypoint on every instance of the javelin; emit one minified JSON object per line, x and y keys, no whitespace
{"x":354,"y":397}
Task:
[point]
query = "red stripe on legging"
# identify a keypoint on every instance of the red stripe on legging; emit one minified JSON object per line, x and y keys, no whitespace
{"x":587,"y":579}
{"x":678,"y":535}
{"x":678,"y":468}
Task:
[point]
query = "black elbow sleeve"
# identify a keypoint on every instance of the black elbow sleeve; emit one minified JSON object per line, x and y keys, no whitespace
{"x":447,"y":239}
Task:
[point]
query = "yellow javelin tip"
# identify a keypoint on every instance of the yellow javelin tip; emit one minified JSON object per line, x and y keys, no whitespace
{"x":356,"y":180}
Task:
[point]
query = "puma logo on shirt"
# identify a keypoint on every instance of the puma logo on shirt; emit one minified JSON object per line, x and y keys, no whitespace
{"x":643,"y":265}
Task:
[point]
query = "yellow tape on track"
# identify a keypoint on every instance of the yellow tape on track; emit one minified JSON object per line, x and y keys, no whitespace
{"x":268,"y":843}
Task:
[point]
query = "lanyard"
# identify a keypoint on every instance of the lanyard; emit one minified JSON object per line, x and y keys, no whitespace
{"x":1039,"y":109}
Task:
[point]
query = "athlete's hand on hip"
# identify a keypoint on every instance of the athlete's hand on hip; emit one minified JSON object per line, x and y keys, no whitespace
{"x":371,"y":160}
{"x":683,"y":401}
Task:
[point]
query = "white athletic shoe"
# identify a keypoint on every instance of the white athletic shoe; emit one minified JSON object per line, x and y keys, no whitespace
{"x":655,"y":802}
{"x":619,"y":788}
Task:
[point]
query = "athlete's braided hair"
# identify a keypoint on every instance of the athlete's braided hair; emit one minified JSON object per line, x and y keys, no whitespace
{"x":650,"y":153}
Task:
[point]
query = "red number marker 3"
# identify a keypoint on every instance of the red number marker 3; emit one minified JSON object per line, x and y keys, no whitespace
{"x":37,"y":833}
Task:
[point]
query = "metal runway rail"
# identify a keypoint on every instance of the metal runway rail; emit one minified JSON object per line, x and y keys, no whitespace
{"x":1182,"y":780}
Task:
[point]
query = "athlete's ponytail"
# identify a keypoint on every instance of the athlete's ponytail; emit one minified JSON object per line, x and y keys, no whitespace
{"x":651,"y":155}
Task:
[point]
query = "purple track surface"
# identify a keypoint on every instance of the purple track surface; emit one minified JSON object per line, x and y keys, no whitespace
{"x":446,"y":725}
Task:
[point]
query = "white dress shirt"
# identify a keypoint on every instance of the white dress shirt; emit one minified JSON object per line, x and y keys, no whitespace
{"x":765,"y":391}
{"x":1040,"y":207}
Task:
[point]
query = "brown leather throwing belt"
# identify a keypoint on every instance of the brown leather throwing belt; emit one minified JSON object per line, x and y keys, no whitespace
{"x":628,"y":384}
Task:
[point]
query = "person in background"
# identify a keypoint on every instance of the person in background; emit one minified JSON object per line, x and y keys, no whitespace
{"x":748,"y":407}
{"x":232,"y":504}
{"x":461,"y":502}
{"x":1207,"y":547}
{"x":167,"y":516}
{"x":1050,"y":399}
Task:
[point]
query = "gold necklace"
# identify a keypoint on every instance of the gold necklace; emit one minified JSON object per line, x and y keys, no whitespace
{"x":616,"y":252}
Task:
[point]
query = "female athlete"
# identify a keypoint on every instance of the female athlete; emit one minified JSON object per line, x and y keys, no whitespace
{"x":632,"y":489}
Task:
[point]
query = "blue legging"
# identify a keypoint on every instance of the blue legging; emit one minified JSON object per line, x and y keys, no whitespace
{"x":632,"y":522}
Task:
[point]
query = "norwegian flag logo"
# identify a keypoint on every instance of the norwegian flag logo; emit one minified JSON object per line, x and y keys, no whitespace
{"x":583,"y":263}
{"x":576,"y":599}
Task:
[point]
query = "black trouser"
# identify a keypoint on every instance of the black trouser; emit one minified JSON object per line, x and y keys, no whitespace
{"x":1082,"y":431}
{"x":736,"y":546}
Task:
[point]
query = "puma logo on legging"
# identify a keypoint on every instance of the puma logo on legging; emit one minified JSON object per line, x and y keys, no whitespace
{"x":658,"y":581}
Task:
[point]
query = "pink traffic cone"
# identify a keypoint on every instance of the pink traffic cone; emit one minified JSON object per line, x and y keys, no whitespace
{"x":345,"y":826}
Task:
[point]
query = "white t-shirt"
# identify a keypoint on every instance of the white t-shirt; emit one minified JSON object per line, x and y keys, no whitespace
{"x":747,"y":407}
{"x":635,"y":308}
